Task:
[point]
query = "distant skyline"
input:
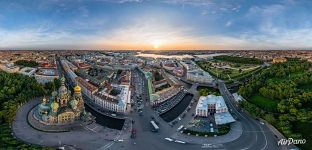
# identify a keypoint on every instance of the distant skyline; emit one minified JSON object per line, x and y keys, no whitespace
{"x":155,"y":24}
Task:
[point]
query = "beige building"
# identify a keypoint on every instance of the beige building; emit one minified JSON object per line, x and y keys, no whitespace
{"x":279,"y":60}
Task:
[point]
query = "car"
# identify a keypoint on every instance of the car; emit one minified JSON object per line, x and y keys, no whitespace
{"x":180,"y":128}
{"x":168,"y":139}
{"x":261,"y":122}
{"x":178,"y":141}
{"x":179,"y":119}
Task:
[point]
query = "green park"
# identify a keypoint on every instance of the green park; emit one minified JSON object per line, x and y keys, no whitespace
{"x":282,"y":95}
{"x":231,"y":68}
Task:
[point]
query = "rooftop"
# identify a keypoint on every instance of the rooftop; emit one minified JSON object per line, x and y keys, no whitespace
{"x":223,"y":118}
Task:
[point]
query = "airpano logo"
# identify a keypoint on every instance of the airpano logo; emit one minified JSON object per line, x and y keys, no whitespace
{"x":290,"y":141}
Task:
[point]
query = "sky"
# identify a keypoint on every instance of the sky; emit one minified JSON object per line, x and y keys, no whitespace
{"x":156,"y":24}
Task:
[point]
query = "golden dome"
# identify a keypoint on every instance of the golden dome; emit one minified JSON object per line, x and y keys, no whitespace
{"x":77,"y":89}
{"x":44,"y":100}
{"x":54,"y":106}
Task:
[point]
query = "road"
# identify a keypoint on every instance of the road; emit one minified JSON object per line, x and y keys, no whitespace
{"x":255,"y":136}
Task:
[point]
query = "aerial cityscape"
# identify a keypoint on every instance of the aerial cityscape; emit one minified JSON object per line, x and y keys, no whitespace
{"x":155,"y":75}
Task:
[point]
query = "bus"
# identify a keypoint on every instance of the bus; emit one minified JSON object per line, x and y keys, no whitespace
{"x":155,"y":127}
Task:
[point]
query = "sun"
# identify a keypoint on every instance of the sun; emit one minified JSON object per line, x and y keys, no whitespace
{"x":156,"y":46}
{"x":156,"y":43}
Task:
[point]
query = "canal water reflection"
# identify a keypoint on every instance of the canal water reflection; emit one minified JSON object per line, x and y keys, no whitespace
{"x":106,"y":121}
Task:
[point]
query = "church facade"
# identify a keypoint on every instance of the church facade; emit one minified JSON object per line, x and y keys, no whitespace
{"x":61,"y":108}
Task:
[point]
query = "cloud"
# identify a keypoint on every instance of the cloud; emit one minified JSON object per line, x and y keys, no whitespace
{"x":146,"y":34}
{"x":84,"y":11}
{"x":266,"y":11}
{"x":35,"y":38}
{"x":208,"y":6}
{"x":228,"y":23}
{"x":121,"y":1}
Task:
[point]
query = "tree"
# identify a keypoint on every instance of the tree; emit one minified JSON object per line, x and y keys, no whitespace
{"x":270,"y":118}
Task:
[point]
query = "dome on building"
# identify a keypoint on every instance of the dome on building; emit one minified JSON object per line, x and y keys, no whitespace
{"x":44,"y":100}
{"x":62,"y":90}
{"x":73,"y":104}
{"x":54,"y":94}
{"x":63,"y":80}
{"x":62,"y":107}
{"x":77,"y":89}
{"x":54,"y":106}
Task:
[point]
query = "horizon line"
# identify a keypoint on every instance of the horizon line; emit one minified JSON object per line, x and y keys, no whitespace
{"x":155,"y":50}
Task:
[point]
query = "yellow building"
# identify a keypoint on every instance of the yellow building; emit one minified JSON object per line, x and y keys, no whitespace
{"x":279,"y":60}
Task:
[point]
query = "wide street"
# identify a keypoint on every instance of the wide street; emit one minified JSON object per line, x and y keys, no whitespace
{"x":254,"y":135}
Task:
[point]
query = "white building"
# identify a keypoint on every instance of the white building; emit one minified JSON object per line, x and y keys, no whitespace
{"x":116,"y":103}
{"x":212,"y":104}
{"x":28,"y":71}
{"x":196,"y":74}
{"x":199,"y":76}
{"x":9,"y":67}
{"x":102,"y":99}
{"x":45,"y":75}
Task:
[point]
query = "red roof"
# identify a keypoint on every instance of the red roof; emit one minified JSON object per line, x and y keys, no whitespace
{"x":86,"y":84}
{"x":48,"y":65}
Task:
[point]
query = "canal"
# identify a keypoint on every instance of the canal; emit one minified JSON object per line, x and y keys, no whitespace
{"x":178,"y":109}
{"x":106,"y":121}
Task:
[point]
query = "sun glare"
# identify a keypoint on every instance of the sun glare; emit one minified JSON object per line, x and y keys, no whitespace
{"x":156,"y":46}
